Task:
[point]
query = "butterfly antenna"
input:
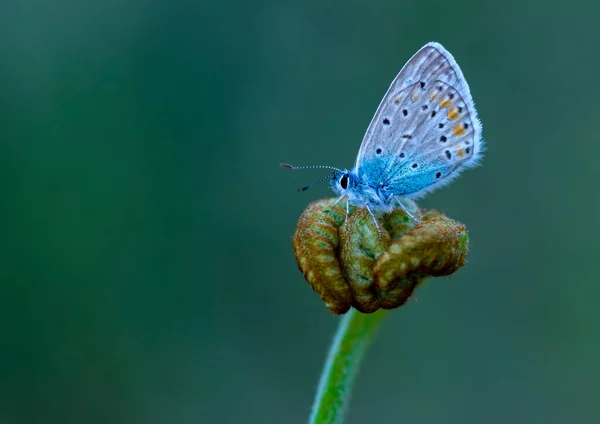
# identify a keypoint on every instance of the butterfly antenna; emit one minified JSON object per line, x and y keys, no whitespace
{"x":288,"y":166}
{"x":326,"y":177}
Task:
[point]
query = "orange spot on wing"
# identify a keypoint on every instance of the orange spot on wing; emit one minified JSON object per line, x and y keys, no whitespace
{"x":432,"y":96}
{"x":445,"y":103}
{"x":415,"y":97}
{"x":458,"y":130}
{"x":453,"y":113}
{"x":460,"y":153}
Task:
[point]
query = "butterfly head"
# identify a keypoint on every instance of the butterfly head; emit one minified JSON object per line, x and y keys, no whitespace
{"x":342,"y":182}
{"x":345,"y":183}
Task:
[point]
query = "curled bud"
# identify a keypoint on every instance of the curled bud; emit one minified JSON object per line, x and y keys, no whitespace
{"x":350,"y":265}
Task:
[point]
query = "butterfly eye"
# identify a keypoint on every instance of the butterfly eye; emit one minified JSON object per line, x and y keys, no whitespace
{"x":344,"y":181}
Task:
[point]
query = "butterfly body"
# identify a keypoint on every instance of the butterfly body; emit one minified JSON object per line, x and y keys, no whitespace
{"x":362,"y":190}
{"x":424,"y":134}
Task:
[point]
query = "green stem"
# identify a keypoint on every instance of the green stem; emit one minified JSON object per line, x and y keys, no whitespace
{"x":354,"y":333}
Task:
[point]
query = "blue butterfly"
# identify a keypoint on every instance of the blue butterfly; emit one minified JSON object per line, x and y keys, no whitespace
{"x":423,"y":135}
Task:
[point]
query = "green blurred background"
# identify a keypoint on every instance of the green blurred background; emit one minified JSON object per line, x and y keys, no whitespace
{"x":147,"y":274}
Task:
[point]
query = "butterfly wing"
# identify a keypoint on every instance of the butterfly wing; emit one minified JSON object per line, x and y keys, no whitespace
{"x":425,"y":130}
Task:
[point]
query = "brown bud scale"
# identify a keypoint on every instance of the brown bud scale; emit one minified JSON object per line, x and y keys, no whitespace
{"x":350,"y":265}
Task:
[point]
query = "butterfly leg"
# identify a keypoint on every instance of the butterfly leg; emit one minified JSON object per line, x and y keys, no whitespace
{"x":347,"y":206}
{"x":347,"y":210}
{"x":374,"y":219}
{"x":417,"y":220}
{"x":338,"y":200}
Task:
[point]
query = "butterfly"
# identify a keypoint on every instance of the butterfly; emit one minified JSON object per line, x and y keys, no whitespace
{"x":424,"y":134}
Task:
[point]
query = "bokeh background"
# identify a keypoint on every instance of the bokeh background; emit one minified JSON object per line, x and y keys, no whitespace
{"x":147,"y":274}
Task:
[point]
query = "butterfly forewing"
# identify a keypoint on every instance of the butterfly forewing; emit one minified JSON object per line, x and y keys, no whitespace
{"x":425,"y":127}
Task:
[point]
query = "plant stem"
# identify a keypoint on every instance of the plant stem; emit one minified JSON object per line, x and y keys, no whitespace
{"x":354,"y":333}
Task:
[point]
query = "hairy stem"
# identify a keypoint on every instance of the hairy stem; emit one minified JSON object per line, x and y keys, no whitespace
{"x":353,"y":335}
